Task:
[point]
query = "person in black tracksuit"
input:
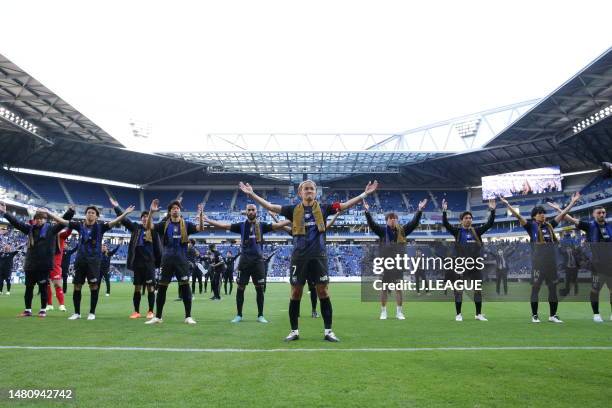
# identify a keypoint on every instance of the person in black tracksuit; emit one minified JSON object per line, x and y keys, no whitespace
{"x":228,"y":276}
{"x":6,"y":267}
{"x":107,"y":255}
{"x":66,"y":265}
{"x":501,"y":270}
{"x":205,"y":261}
{"x":218,"y":267}
{"x":42,"y":243}
{"x":196,"y":274}
{"x":144,"y":255}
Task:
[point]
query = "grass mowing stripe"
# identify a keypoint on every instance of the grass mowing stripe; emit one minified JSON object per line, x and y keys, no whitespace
{"x":364,"y":349}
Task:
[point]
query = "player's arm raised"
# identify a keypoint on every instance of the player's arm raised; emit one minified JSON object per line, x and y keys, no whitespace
{"x":567,"y":217}
{"x":566,"y":210}
{"x":120,"y":218}
{"x":247,"y":189}
{"x":215,"y":224}
{"x":369,"y":189}
{"x":518,"y":216}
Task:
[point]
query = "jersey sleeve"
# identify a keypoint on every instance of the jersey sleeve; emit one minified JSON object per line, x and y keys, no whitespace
{"x":327,"y":210}
{"x":287,"y":211}
{"x":266,"y":227}
{"x":235,"y":228}
{"x":191,"y":228}
{"x":105,"y":227}
{"x":584,"y":226}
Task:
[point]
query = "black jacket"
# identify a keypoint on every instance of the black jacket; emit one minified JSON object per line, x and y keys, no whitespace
{"x":42,"y":242}
{"x":135,"y":229}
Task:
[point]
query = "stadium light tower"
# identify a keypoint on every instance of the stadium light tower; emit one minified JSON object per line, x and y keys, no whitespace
{"x":14,"y":119}
{"x":593,"y":119}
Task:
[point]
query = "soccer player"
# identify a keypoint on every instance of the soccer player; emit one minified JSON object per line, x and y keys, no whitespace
{"x":194,"y":271}
{"x":55,"y":275}
{"x":252,"y":265}
{"x":42,"y":239}
{"x":390,"y":235}
{"x":174,"y":232}
{"x":542,"y":235}
{"x":144,"y":255}
{"x":89,"y":255}
{"x":312,"y":290}
{"x":470,"y":239}
{"x":309,"y":257}
{"x":105,"y":264}
{"x":6,"y":267}
{"x":599,"y":235}
{"x":228,"y":276}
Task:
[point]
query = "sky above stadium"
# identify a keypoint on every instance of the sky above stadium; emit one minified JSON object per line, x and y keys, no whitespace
{"x":187,"y":69}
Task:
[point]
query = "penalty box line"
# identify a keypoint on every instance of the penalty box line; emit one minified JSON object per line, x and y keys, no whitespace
{"x":289,"y":350}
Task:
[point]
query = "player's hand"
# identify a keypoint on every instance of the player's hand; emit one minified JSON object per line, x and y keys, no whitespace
{"x":200,"y":209}
{"x":154,"y":205}
{"x":554,"y":206}
{"x":129,"y":210}
{"x":246,"y":188}
{"x":492,"y":204}
{"x":444,"y":204}
{"x":113,"y":202}
{"x":576,"y":197}
{"x":205,"y":218}
{"x":422,"y":204}
{"x":366,"y":205}
{"x":371,"y":187}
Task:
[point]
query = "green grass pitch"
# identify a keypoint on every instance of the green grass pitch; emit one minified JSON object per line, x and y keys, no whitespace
{"x":326,"y":378}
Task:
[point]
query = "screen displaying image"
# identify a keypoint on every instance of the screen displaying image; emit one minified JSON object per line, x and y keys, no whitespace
{"x":522,"y":183}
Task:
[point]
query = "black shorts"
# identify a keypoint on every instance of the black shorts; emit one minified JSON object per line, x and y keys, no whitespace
{"x":144,"y":275}
{"x":251,"y":270}
{"x":392,"y":276}
{"x":86,"y":268}
{"x":36,"y":276}
{"x":5,"y":275}
{"x":174,"y":267}
{"x":308,"y":269}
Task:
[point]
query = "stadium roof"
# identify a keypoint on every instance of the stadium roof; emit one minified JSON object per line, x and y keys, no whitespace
{"x":53,"y":117}
{"x":571,"y":127}
{"x":329,"y":157}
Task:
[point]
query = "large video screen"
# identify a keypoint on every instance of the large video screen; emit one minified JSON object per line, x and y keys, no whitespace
{"x":522,"y":183}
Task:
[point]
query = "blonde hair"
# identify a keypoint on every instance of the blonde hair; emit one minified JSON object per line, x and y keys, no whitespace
{"x":304,"y":182}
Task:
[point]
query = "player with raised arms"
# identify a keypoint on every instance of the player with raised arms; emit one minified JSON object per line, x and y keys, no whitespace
{"x":309,"y":256}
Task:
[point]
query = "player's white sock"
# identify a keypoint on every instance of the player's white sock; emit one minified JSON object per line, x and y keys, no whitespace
{"x":326,"y":332}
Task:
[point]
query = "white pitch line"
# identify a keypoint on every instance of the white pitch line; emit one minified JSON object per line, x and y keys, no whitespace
{"x":289,"y":350}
